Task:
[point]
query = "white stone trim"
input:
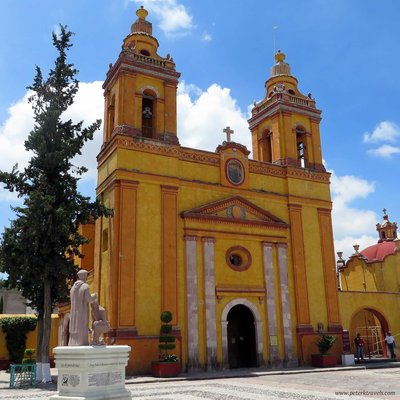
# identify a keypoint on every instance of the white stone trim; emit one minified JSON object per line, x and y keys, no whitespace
{"x":152,"y":88}
{"x":270,"y":308}
{"x":192,"y":304}
{"x":209,"y":284}
{"x":285,"y":300}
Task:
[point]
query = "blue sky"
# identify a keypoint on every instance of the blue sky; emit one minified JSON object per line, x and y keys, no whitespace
{"x":345,"y":52}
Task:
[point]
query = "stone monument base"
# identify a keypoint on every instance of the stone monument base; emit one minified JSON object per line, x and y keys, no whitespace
{"x":91,"y":372}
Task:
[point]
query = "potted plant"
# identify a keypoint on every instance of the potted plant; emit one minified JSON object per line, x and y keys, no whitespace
{"x":324,"y":344}
{"x":168,"y":365}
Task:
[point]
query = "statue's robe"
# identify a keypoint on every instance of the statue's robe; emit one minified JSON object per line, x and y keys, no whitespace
{"x":79,"y":317}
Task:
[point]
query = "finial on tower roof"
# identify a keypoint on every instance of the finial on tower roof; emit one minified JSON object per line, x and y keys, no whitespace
{"x":279,"y":56}
{"x":280,"y":68}
{"x":142,"y":13}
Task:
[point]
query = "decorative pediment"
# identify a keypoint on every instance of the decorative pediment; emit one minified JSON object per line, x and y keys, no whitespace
{"x":235,"y":210}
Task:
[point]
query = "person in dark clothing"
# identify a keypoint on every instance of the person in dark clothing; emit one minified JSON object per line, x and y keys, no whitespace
{"x":359,"y":342}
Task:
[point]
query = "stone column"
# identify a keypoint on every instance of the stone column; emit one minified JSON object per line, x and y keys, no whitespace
{"x":192,"y":304}
{"x":269,"y":278}
{"x":209,"y":284}
{"x":285,"y":300}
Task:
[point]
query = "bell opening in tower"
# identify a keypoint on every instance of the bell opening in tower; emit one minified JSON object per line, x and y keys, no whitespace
{"x":301,"y":147}
{"x":148,"y":117}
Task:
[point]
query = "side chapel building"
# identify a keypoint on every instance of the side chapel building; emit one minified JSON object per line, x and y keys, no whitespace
{"x":369,"y":289}
{"x":240,"y":250}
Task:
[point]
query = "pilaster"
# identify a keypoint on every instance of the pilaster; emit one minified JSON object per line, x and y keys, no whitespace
{"x":285,"y":303}
{"x":329,"y":267}
{"x":169,"y":262}
{"x":192,"y":303}
{"x":269,"y":278}
{"x":209,"y":284}
{"x":299,"y":267}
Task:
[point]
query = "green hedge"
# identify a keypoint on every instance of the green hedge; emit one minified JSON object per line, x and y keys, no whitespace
{"x":15,"y":329}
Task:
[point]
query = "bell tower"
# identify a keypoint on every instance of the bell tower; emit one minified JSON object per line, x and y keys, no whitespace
{"x":285,"y":124}
{"x":140,"y":88}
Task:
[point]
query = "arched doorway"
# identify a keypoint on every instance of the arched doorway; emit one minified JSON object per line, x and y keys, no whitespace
{"x":241,"y":337}
{"x":372,"y":326}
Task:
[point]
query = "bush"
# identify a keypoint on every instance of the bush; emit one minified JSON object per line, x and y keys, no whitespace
{"x":167,"y":341}
{"x":28,"y":357}
{"x":325,"y":342}
{"x":15,"y":329}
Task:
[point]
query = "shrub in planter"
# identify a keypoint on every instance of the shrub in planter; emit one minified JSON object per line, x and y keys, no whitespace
{"x":168,"y":364}
{"x":29,"y":357}
{"x":324,"y":344}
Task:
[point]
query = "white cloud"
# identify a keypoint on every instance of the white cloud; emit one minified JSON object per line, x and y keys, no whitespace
{"x":386,"y":151}
{"x":346,"y":244}
{"x":88,"y":106}
{"x":174,"y":19}
{"x":13,"y":134}
{"x":385,"y":131}
{"x":348,"y":187}
{"x":206,"y":37}
{"x":352,"y":225}
{"x":202,"y":115}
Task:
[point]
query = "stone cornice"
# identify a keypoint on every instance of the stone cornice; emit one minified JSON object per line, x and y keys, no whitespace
{"x":186,"y":154}
{"x":282,"y":107}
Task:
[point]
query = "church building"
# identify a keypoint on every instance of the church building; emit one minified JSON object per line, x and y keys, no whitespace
{"x":239,"y":249}
{"x":369,"y":289}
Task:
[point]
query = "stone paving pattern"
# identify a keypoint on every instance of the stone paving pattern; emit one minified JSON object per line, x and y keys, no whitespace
{"x":306,"y":383}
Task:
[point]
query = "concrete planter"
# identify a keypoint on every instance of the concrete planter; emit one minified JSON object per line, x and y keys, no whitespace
{"x":323,"y":360}
{"x":165,"y":369}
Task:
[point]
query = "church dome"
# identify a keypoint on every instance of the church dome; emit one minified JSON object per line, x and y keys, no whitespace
{"x":379,"y":251}
{"x":387,"y":243}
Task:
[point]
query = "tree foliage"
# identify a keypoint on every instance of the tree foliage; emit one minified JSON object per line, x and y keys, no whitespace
{"x":15,"y":329}
{"x":325,"y":342}
{"x":37,"y":250}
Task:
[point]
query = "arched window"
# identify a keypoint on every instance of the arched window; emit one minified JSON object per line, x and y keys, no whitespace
{"x":266,"y":146}
{"x":148,"y":114}
{"x":111,"y":117}
{"x":301,"y":146}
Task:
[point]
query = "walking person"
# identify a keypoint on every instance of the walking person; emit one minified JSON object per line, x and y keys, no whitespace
{"x":389,"y":339}
{"x":359,"y":342}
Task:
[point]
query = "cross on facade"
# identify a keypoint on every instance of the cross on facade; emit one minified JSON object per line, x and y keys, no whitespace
{"x":384,"y":211}
{"x":228,"y":132}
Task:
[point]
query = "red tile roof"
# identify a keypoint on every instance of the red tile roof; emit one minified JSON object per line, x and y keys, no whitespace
{"x":379,"y":251}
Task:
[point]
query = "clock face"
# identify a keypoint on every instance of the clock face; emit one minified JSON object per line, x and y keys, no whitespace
{"x":235,"y":172}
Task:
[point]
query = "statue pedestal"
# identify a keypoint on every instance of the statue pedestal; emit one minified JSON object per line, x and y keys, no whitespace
{"x":91,"y":372}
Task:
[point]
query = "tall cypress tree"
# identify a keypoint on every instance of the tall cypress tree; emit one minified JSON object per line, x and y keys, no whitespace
{"x":37,"y":250}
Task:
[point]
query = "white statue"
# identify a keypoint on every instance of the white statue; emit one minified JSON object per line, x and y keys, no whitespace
{"x":79,"y":316}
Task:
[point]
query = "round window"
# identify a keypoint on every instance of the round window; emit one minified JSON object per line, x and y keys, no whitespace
{"x":235,"y":171}
{"x":238,"y":258}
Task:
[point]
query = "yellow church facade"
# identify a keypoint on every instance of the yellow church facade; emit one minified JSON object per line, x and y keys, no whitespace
{"x":240,"y":250}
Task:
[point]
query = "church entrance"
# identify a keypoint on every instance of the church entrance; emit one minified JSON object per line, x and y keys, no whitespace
{"x":372,"y":327}
{"x":241,"y":338}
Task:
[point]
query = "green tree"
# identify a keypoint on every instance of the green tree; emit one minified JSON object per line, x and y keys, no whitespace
{"x":36,"y":250}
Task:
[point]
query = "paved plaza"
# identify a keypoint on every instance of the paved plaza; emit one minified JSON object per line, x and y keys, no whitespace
{"x":358,"y":383}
